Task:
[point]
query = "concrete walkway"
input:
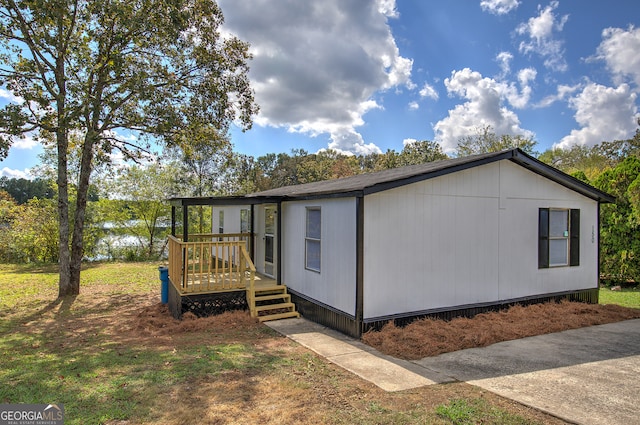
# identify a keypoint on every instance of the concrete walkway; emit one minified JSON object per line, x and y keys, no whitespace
{"x":584,"y":376}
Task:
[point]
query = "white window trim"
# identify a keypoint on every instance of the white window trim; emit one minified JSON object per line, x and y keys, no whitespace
{"x":311,"y":239}
{"x":565,"y":238}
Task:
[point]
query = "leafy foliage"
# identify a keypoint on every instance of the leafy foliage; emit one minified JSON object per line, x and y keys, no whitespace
{"x":139,"y":206}
{"x":151,"y":67}
{"x":28,"y":232}
{"x":590,"y":161}
{"x":23,"y":189}
{"x":276,"y":170}
{"x":486,"y":140}
{"x":620,"y":221}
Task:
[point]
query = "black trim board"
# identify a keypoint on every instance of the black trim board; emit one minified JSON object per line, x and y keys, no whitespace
{"x":223,"y":200}
{"x":559,"y":177}
{"x":359,"y":260}
{"x":278,"y":243}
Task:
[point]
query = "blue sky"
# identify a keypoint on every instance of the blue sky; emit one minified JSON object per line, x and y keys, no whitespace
{"x":366,"y":76}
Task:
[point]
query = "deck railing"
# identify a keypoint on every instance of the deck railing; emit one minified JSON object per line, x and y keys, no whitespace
{"x":211,"y":263}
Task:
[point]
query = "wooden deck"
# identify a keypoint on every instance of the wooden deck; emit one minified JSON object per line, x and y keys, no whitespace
{"x":199,"y":284}
{"x":219,"y":264}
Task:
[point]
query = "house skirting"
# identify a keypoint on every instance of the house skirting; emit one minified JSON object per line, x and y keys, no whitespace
{"x":325,"y":315}
{"x":590,"y":296}
{"x":203,"y":305}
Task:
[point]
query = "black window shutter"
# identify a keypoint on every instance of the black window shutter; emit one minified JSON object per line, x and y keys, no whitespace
{"x":574,"y":238}
{"x":543,"y":238}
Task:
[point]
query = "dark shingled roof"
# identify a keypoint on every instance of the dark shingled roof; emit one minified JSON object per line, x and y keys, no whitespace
{"x":364,"y":184}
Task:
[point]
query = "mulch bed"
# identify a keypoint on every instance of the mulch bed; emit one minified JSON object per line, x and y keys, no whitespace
{"x":430,"y":337}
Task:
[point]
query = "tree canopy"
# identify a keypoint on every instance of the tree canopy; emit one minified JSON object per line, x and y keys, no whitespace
{"x":486,"y":140}
{"x":121,"y":72}
{"x":24,"y":189}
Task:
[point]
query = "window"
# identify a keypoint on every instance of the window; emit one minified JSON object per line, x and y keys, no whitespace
{"x":312,"y":240}
{"x":559,"y":237}
{"x":244,"y":221}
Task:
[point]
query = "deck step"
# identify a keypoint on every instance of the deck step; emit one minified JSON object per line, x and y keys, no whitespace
{"x":275,"y":306}
{"x":281,"y":289}
{"x":275,"y":303}
{"x":282,"y":296}
{"x":277,"y":316}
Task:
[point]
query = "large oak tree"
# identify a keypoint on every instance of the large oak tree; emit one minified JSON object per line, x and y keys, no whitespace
{"x":155,"y":69}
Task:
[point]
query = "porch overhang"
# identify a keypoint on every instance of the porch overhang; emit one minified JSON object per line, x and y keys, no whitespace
{"x":211,"y":201}
{"x":222,"y":200}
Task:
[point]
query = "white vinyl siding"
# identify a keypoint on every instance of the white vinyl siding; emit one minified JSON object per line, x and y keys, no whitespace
{"x":335,"y":285}
{"x":467,"y":238}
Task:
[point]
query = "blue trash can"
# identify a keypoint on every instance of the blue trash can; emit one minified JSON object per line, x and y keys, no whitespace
{"x":164,"y":284}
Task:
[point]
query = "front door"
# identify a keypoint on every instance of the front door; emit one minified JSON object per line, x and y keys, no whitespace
{"x":269,"y":239}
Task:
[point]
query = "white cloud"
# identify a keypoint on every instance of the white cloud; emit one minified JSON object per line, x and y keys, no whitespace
{"x":499,"y":7}
{"x":27,"y":142}
{"x":348,"y":141}
{"x":484,"y":106}
{"x":603,"y":113}
{"x":409,"y":141}
{"x":15,"y":174}
{"x":9,"y":96}
{"x":619,"y":49}
{"x":520,"y":98}
{"x":540,"y":31}
{"x":428,"y":91}
{"x":388,"y":8}
{"x":504,"y":60}
{"x":414,"y":106}
{"x":318,"y":65}
{"x":564,"y":91}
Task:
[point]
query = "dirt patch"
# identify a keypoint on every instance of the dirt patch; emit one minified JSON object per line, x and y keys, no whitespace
{"x":430,"y":337}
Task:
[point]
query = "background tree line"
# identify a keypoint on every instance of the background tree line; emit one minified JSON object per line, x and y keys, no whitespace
{"x":133,"y":199}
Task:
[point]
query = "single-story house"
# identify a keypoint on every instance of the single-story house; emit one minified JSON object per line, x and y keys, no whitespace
{"x":444,"y":238}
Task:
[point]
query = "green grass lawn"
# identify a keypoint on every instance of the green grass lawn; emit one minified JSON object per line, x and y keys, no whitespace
{"x":628,"y":297}
{"x":108,"y":363}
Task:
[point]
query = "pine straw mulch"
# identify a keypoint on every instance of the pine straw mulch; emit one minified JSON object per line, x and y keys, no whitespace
{"x":156,"y":320}
{"x":430,"y":337}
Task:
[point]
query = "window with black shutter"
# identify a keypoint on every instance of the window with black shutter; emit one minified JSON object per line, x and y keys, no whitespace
{"x":558,"y":237}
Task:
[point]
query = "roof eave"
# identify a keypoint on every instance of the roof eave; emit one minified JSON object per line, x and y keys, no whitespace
{"x":566,"y":180}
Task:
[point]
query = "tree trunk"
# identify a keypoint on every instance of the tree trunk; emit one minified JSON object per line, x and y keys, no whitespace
{"x":62,"y":141}
{"x":64,"y":285}
{"x":77,"y":243}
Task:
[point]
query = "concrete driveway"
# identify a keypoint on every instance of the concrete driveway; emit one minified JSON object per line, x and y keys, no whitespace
{"x":586,"y":376}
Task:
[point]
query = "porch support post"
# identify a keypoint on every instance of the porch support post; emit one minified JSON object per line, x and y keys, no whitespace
{"x":597,"y":239}
{"x":359,"y":263}
{"x":173,"y":220}
{"x":251,"y":234}
{"x":185,"y":223}
{"x":279,"y":242}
